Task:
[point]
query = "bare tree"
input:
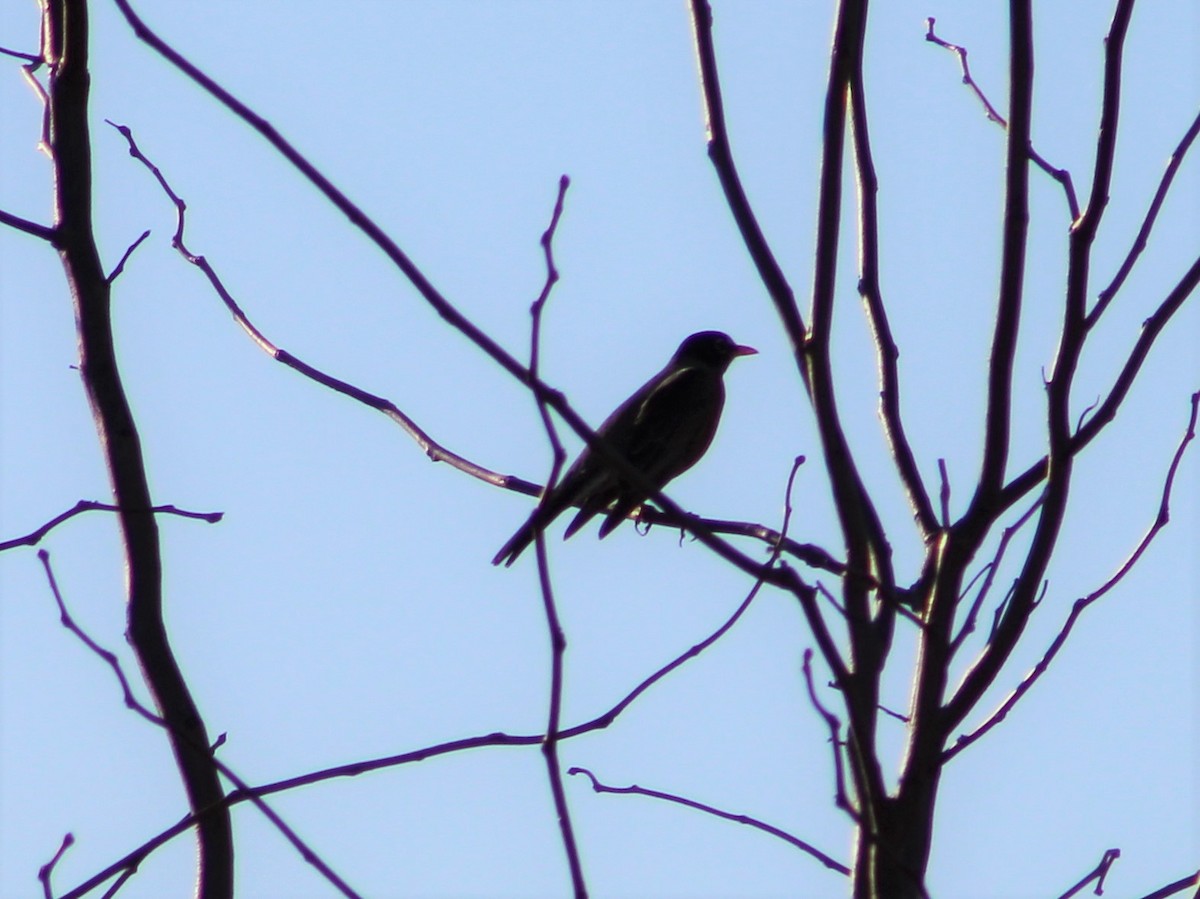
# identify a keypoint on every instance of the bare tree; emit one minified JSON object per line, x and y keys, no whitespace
{"x":964,"y":610}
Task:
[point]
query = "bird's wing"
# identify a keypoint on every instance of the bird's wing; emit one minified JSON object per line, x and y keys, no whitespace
{"x":674,"y":428}
{"x":589,"y":481}
{"x":675,"y":423}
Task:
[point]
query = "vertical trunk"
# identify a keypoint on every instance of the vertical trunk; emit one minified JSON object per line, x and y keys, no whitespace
{"x":891,"y":862}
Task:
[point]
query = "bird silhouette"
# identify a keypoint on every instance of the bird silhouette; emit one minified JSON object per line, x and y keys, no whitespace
{"x":662,"y":430}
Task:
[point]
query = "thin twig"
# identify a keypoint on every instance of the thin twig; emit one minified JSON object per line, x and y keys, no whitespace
{"x":633,"y":789}
{"x":131,"y":702}
{"x":720,"y":153}
{"x":944,"y":494}
{"x":1143,"y":236}
{"x":1098,"y":874}
{"x":558,"y":639}
{"x":120,"y":267}
{"x":28,"y":57}
{"x":991,"y":569}
{"x":1062,"y":176}
{"x":46,"y":871}
{"x":33,"y":538}
{"x":20,"y":224}
{"x":869,"y":288}
{"x":840,"y":795}
{"x":1160,"y":521}
{"x":1183,"y":883}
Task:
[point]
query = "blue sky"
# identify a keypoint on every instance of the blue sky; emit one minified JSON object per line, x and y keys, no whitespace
{"x":345,"y":607}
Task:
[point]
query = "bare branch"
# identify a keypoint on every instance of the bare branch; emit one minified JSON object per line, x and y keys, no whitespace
{"x":944,"y":495}
{"x":354,"y":769}
{"x":46,"y":871}
{"x":107,"y":657}
{"x":131,"y":862}
{"x":635,"y":790}
{"x":33,"y":538}
{"x":992,"y":567}
{"x":65,"y":49}
{"x":1098,"y":874}
{"x":1151,"y":328}
{"x":116,"y":272}
{"x":721,"y":153}
{"x":1012,"y":262}
{"x":1062,"y":176}
{"x":28,"y":57}
{"x":20,"y":224}
{"x":1160,"y":521}
{"x":781,"y":577}
{"x":1088,"y":222}
{"x":1184,"y":883}
{"x":1139,"y":244}
{"x":869,"y":288}
{"x":558,"y":639}
{"x":841,"y":796}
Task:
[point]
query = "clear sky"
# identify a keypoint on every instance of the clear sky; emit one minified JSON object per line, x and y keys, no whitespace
{"x":345,"y":607}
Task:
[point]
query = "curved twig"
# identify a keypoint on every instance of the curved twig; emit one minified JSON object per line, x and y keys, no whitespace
{"x":633,"y":789}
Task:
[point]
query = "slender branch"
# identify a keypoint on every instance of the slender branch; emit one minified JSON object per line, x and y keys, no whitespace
{"x":1107,"y":411}
{"x":355,"y":769}
{"x":841,"y":796}
{"x":992,"y":567}
{"x":1012,"y":264}
{"x":720,"y":152}
{"x":20,"y":224}
{"x":1098,"y":874}
{"x":1088,"y":222}
{"x":28,"y":57}
{"x":46,"y":871}
{"x":33,"y":538}
{"x":1143,"y":236}
{"x":1183,"y":883}
{"x":65,"y":49}
{"x":120,"y":267}
{"x":107,"y":657}
{"x":886,"y":351}
{"x":132,"y":703}
{"x":635,"y":790}
{"x":867,"y":547}
{"x":782,"y":577}
{"x":944,"y":493}
{"x":558,"y":639}
{"x":1062,"y":176}
{"x":1160,"y":521}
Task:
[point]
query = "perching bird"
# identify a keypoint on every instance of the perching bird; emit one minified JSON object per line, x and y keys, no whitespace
{"x":663,"y":430}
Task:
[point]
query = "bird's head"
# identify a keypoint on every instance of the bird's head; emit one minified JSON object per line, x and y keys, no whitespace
{"x":715,"y":349}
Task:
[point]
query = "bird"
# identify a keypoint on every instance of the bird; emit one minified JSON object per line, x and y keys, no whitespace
{"x":662,"y":429}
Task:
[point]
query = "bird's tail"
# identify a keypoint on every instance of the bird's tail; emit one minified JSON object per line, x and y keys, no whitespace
{"x":516,"y":544}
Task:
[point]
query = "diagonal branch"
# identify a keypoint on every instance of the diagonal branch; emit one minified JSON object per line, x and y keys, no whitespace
{"x":558,"y":639}
{"x":721,"y":153}
{"x":34,"y":537}
{"x":633,"y":789}
{"x":1062,"y":176}
{"x":1139,"y":244}
{"x":868,"y":285}
{"x":131,"y":702}
{"x":445,"y":309}
{"x":20,"y":224}
{"x":1160,"y":521}
{"x":65,"y":48}
{"x":1108,"y":409}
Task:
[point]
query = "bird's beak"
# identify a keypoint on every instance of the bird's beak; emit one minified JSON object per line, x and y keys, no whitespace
{"x":744,"y":351}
